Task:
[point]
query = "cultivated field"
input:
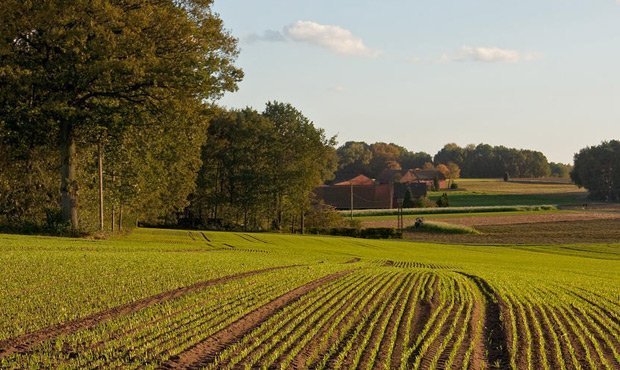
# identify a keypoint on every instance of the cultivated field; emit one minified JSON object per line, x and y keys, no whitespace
{"x":178,"y":299}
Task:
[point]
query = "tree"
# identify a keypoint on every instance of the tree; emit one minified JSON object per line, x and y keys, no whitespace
{"x":74,"y":66}
{"x":353,"y":159}
{"x":560,"y":169}
{"x":450,"y":153}
{"x":597,"y":169}
{"x":408,"y":200}
{"x":303,"y":158}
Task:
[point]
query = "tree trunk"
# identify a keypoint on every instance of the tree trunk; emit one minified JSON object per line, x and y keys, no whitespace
{"x":68,"y":184}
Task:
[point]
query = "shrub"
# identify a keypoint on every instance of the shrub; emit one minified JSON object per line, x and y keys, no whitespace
{"x":443,"y":201}
{"x":442,"y":228}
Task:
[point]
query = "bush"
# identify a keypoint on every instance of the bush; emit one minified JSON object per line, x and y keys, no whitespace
{"x":424,"y":202}
{"x":443,"y":201}
{"x":369,"y":233}
{"x":454,"y":186}
{"x":441,"y":228}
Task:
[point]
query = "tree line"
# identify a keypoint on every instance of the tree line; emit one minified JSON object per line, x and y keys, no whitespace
{"x":474,"y":161}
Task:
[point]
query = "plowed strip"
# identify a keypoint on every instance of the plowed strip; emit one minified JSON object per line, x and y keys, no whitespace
{"x":494,"y":331}
{"x":25,"y":342}
{"x":202,"y":353}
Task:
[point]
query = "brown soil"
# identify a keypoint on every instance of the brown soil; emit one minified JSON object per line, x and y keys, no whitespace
{"x":564,"y":232}
{"x":25,"y":342}
{"x":499,"y":219}
{"x":401,"y":340}
{"x":379,"y":337}
{"x":550,"y":351}
{"x":316,"y":345}
{"x":494,"y":335}
{"x":204,"y":352}
{"x":268,"y":345}
{"x":391,"y":331}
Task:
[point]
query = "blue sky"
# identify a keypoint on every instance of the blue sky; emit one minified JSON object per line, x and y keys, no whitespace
{"x":541,"y":75}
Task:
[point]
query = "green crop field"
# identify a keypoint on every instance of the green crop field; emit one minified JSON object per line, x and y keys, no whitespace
{"x":494,"y":192}
{"x":188,"y":299}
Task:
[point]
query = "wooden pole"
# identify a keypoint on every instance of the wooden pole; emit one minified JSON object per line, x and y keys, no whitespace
{"x":351,"y":216}
{"x":100,"y":160}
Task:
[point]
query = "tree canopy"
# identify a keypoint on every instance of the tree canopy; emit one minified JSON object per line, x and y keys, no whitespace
{"x":597,"y":168}
{"x":71,"y":69}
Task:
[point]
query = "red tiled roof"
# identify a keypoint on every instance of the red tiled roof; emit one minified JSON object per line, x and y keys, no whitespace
{"x":357,"y":181}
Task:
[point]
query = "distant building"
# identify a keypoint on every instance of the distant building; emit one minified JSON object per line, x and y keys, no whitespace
{"x":362,"y":192}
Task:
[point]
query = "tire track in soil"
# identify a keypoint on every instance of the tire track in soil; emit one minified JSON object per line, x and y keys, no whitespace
{"x":26,"y":342}
{"x":494,"y":336}
{"x":204,"y":352}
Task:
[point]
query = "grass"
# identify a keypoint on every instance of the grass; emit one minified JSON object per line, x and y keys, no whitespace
{"x":47,"y":281}
{"x":495,"y":192}
{"x":366,"y":213}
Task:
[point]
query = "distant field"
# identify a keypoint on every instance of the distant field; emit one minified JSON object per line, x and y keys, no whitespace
{"x":495,"y":192}
{"x":178,"y":299}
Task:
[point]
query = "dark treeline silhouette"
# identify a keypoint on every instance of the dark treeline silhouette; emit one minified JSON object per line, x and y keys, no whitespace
{"x":474,"y":161}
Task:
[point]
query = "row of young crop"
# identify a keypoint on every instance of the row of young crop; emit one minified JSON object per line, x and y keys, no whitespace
{"x":370,"y":319}
{"x":551,"y":328}
{"x":152,"y":335}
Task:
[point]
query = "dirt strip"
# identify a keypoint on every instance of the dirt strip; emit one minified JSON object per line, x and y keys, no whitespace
{"x":25,"y":342}
{"x":495,"y":336}
{"x":205,"y":351}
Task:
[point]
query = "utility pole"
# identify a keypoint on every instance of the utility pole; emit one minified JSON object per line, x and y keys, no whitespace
{"x":100,"y":160}
{"x":351,"y":201}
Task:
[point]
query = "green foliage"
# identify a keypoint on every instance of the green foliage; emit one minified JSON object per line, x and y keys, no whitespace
{"x":486,"y":161}
{"x":322,"y":216}
{"x":70,"y":70}
{"x":355,"y":158}
{"x":259,"y":169}
{"x":442,"y":228}
{"x":597,"y":169}
{"x":366,"y":233}
{"x":560,"y":170}
{"x":443,"y":201}
{"x":369,"y":314}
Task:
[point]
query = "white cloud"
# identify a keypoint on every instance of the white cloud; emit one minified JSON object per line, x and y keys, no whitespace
{"x":488,"y":54}
{"x":333,"y":38}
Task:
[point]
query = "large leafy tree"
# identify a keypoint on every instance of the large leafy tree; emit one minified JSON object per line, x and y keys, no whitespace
{"x":71,"y":66}
{"x":597,"y":169}
{"x":305,"y":158}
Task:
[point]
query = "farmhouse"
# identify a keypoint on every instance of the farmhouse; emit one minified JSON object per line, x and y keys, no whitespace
{"x":362,"y":192}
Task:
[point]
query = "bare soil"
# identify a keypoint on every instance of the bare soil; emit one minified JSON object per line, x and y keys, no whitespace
{"x":559,"y":232}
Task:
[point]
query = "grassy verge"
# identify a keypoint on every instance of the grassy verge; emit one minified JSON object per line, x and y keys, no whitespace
{"x":450,"y":210}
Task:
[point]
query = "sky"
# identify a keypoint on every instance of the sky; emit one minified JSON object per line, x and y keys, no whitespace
{"x":531,"y":74}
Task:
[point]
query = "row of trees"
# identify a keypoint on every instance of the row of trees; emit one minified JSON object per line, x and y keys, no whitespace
{"x":259,"y":169}
{"x":131,"y":82}
{"x":486,"y":161}
{"x":474,"y":161}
